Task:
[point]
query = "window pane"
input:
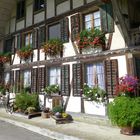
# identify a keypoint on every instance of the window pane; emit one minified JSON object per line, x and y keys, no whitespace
{"x":95,"y":75}
{"x":96,"y":14}
{"x":88,"y":25}
{"x":97,"y":23}
{"x":7,"y":78}
{"x":88,"y":17}
{"x":92,"y":20}
{"x":54,"y":75}
{"x":27,"y":78}
{"x":54,"y":31}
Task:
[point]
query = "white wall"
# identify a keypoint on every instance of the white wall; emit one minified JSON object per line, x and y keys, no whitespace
{"x":77,"y":3}
{"x":63,"y":7}
{"x":88,"y":1}
{"x":39,"y":17}
{"x":20,"y":25}
{"x":122,"y":66}
{"x":117,"y":40}
{"x":29,"y":15}
{"x":12,"y":25}
{"x":50,"y":9}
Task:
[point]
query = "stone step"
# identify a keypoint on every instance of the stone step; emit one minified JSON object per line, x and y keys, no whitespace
{"x":91,"y":119}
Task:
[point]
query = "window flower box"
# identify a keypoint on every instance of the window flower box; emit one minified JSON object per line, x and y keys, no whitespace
{"x":91,"y":40}
{"x":25,"y":53}
{"x":53,"y":47}
{"x":5,"y":57}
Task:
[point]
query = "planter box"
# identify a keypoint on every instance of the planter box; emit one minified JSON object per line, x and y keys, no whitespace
{"x":91,"y":50}
{"x":94,"y":108}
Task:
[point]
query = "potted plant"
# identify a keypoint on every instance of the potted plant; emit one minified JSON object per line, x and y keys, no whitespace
{"x":91,"y":39}
{"x":45,"y":112}
{"x":25,"y":52}
{"x":94,"y":93}
{"x":52,"y":90}
{"x":31,"y":110}
{"x":5,"y":57}
{"x":125,"y":112}
{"x":53,"y":47}
{"x":126,"y":86}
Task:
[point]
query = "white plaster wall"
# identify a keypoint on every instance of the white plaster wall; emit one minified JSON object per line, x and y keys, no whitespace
{"x":29,"y":15}
{"x":63,"y":7}
{"x":20,"y":25}
{"x":12,"y":25}
{"x":94,"y":108}
{"x":77,"y":3}
{"x":28,"y":2}
{"x":68,"y":50}
{"x":39,"y":17}
{"x":7,"y":28}
{"x":13,"y":14}
{"x":42,"y":55}
{"x":50,"y":9}
{"x":122,"y":66}
{"x":117,"y":40}
{"x":88,"y":1}
{"x":35,"y":55}
{"x":16,"y":59}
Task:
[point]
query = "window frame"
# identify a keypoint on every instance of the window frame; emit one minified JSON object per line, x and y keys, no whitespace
{"x":48,"y":31}
{"x":91,"y":12}
{"x":94,"y":64}
{"x":57,"y":77}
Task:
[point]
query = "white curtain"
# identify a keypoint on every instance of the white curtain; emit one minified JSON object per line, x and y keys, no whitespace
{"x":27,"y":78}
{"x":7,"y":78}
{"x":54,"y":76}
{"x":95,"y":75}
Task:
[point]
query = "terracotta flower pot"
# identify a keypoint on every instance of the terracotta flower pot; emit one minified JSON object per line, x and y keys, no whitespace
{"x":45,"y":115}
{"x":128,"y":130}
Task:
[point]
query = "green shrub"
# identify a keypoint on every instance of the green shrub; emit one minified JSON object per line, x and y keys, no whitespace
{"x":125,"y":111}
{"x":58,"y":109}
{"x":25,"y":100}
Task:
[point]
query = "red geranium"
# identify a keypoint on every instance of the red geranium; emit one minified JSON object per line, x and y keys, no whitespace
{"x":127,"y":85}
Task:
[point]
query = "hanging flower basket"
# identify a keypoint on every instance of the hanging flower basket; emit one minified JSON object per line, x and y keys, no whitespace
{"x":25,"y":52}
{"x":53,"y":47}
{"x":91,"y":38}
{"x":5,"y":57}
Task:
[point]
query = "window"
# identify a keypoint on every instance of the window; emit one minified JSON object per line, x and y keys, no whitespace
{"x":42,"y":36}
{"x":27,"y":79}
{"x":38,"y":4}
{"x":95,"y":75}
{"x":18,"y":42}
{"x":92,"y":20}
{"x":20,"y":9}
{"x":8,"y":45}
{"x":28,"y":39}
{"x":54,"y":75}
{"x":55,"y":31}
{"x":7,"y":78}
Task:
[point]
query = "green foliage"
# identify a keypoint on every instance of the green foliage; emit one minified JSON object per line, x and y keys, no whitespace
{"x":53,"y":47}
{"x":58,"y":109}
{"x":25,"y":100}
{"x":125,"y":111}
{"x":31,"y":109}
{"x":94,"y":93}
{"x":52,"y":89}
{"x":91,"y":38}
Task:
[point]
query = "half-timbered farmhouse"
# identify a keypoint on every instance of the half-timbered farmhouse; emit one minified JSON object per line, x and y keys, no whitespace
{"x":31,"y":23}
